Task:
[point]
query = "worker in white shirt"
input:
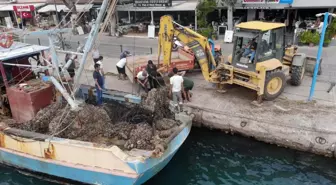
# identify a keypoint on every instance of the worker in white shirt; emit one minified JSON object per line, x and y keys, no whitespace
{"x":176,"y":84}
{"x":121,"y":65}
{"x":142,"y":79}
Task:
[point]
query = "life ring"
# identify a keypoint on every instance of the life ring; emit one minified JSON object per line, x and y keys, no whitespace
{"x":6,"y":40}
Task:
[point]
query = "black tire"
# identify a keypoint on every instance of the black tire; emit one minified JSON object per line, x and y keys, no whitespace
{"x":297,"y":75}
{"x":274,"y":75}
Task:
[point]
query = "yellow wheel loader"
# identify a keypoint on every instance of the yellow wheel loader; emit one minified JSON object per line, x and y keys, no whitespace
{"x":261,"y":61}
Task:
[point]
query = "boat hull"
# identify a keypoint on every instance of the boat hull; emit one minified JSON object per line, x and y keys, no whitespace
{"x":143,"y":170}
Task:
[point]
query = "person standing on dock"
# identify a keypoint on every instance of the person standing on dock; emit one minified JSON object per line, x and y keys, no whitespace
{"x":100,"y":62}
{"x":176,"y":84}
{"x":99,"y":83}
{"x":142,"y":79}
{"x":121,"y":65}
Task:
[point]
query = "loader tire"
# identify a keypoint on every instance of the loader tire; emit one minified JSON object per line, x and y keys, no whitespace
{"x":297,"y":75}
{"x":274,"y":84}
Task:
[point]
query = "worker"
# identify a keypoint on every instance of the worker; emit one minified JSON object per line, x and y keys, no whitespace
{"x":152,"y":74}
{"x":99,"y":83}
{"x":250,"y":49}
{"x":142,"y":79}
{"x":176,"y":85}
{"x":101,"y":70}
{"x":95,"y":54}
{"x":121,"y":65}
{"x":188,"y":85}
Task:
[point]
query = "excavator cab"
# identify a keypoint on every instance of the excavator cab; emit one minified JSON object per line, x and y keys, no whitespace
{"x":261,"y":61}
{"x":252,"y":47}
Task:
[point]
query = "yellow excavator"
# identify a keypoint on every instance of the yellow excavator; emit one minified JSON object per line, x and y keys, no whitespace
{"x":260,"y":60}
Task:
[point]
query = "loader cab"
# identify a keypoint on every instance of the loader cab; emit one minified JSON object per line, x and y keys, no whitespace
{"x":252,"y":46}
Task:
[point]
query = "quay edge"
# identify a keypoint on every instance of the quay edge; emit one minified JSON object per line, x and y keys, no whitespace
{"x":308,"y":139}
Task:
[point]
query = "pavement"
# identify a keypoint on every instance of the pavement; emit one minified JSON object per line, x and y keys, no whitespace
{"x":111,"y":47}
{"x":324,"y":94}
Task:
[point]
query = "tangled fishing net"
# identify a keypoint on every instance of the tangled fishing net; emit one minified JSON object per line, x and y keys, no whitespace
{"x":129,"y":126}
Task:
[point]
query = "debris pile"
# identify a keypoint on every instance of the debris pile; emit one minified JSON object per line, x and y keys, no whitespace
{"x":129,"y":126}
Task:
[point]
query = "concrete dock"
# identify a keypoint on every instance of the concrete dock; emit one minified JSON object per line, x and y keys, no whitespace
{"x":288,"y":121}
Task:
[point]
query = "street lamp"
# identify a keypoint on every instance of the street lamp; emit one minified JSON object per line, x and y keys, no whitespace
{"x":319,"y":52}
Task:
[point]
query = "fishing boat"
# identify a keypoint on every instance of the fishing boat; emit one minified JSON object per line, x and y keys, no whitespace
{"x":72,"y":159}
{"x":87,"y":162}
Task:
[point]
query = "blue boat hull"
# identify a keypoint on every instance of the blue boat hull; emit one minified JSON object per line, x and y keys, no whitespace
{"x":105,"y":166}
{"x":145,"y":170}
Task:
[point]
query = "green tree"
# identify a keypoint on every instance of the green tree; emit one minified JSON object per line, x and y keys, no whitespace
{"x":203,"y":9}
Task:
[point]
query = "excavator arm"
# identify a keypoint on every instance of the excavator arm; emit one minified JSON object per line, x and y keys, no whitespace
{"x":196,"y":42}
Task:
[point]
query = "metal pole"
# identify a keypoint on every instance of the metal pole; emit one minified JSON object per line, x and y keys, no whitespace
{"x":88,"y":45}
{"x":129,"y":17}
{"x":56,"y":12}
{"x":3,"y":73}
{"x":319,"y":54}
{"x":195,"y":20}
{"x":58,"y":21}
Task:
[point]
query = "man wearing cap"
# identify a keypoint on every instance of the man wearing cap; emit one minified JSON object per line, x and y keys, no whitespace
{"x":99,"y":83}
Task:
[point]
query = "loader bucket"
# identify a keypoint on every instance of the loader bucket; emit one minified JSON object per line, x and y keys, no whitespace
{"x":310,"y":65}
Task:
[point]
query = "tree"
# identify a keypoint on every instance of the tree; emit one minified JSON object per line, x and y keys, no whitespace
{"x":203,"y":9}
{"x":230,"y":4}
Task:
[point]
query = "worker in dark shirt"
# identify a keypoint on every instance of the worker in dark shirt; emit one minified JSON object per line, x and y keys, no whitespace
{"x":188,"y":85}
{"x":251,"y":49}
{"x":99,"y":83}
{"x":152,"y":72}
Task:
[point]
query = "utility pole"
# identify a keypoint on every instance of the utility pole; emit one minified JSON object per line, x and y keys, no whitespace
{"x":319,"y":52}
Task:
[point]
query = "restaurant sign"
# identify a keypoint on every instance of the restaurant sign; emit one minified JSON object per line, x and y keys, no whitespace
{"x":152,"y":3}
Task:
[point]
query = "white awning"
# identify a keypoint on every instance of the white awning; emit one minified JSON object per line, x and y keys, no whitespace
{"x":19,"y":49}
{"x":9,"y":7}
{"x":176,"y":6}
{"x":79,"y":8}
{"x":314,"y":4}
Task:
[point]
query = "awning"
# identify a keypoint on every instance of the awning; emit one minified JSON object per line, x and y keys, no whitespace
{"x":19,"y":49}
{"x":176,"y":6}
{"x":314,"y":4}
{"x":51,"y":8}
{"x":9,"y":7}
